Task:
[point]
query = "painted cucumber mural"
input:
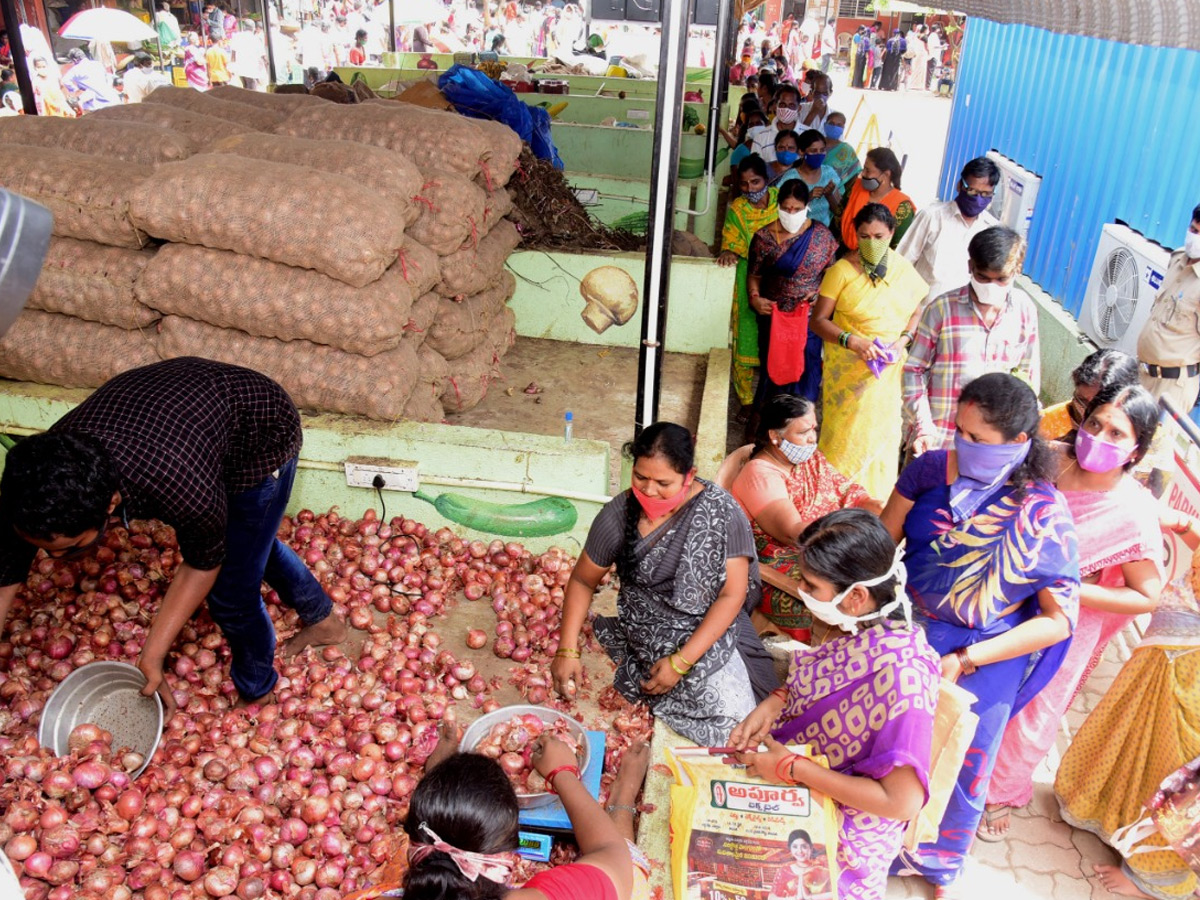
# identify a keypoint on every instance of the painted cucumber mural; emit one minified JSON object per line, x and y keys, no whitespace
{"x":537,"y":518}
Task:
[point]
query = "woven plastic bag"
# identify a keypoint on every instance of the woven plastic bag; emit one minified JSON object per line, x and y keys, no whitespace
{"x":288,"y":214}
{"x":285,"y":103}
{"x":389,"y":173}
{"x":430,"y":138}
{"x":451,"y":209}
{"x":318,"y":378}
{"x":473,"y":268}
{"x":94,"y":282}
{"x":256,"y":117}
{"x":268,"y":299}
{"x":50,"y":348}
{"x":88,"y":196}
{"x":729,"y":831}
{"x":201,"y":129}
{"x":461,"y":326}
{"x":142,"y":143}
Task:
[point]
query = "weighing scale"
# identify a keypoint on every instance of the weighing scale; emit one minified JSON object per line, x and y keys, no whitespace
{"x":539,"y":824}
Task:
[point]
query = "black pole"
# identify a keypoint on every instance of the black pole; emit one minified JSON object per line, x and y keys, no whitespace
{"x":663,"y":179}
{"x":271,"y":77}
{"x":20,"y":62}
{"x":392,"y":26}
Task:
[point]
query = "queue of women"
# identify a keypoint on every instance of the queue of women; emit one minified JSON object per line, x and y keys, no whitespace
{"x":1003,"y":559}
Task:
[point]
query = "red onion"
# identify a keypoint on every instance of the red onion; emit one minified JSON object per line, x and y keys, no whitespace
{"x":189,"y":865}
{"x":21,"y":847}
{"x":221,"y":881}
{"x":130,"y":804}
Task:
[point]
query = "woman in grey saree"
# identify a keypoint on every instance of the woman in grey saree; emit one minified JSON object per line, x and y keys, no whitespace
{"x":682,"y":638}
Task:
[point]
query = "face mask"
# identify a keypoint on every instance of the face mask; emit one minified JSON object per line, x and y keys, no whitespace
{"x":824,"y":98}
{"x":1075,"y":409}
{"x":756,"y":196}
{"x":657,"y":507}
{"x":971,"y":206}
{"x":785,"y":115}
{"x":869,"y":184}
{"x":835,"y":132}
{"x":872,"y":250}
{"x":814,"y":160}
{"x":1096,"y":455}
{"x":754,"y":131}
{"x":990,"y":294}
{"x":797,"y":454}
{"x":805,"y":89}
{"x":793,"y":221}
{"x":1191,"y":245}
{"x":981,"y":469}
{"x":831,"y":614}
{"x":787,"y":157}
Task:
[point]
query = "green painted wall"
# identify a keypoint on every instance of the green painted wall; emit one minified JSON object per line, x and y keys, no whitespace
{"x":580,"y":84}
{"x":625,"y":196}
{"x":584,"y":109}
{"x":1063,"y":345}
{"x":624,"y":152}
{"x":548,"y":303}
{"x":444,"y":451}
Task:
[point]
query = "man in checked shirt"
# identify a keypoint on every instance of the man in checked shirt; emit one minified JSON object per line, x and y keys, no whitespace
{"x":208,"y":449}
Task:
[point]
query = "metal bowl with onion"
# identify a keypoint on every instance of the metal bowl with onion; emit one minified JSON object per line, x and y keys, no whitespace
{"x":108,"y":694}
{"x":480,"y":728}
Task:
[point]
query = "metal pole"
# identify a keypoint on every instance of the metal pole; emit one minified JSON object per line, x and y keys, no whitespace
{"x":392,"y":25}
{"x":267,"y":33}
{"x":663,"y":178}
{"x":20,"y":63}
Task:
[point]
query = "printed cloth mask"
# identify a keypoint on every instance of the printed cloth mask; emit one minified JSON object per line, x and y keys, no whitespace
{"x":797,"y":454}
{"x":830,"y":611}
{"x":873,"y":253}
{"x":1096,"y":455}
{"x":990,"y":294}
{"x":657,"y":507}
{"x":756,"y":196}
{"x":981,"y":469}
{"x":786,"y":115}
{"x":971,"y":206}
{"x":792,"y":221}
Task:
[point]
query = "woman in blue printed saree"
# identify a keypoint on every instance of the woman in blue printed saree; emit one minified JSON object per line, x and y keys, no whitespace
{"x":993,"y":571}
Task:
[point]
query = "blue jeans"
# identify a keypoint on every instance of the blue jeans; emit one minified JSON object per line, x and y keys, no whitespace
{"x":252,"y":555}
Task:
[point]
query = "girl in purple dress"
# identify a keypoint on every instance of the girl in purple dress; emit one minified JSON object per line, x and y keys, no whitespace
{"x":865,"y":700}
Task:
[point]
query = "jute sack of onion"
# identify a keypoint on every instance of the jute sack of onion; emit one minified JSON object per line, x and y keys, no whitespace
{"x":475,"y":266}
{"x":451,"y":211}
{"x":462,"y":325}
{"x":142,"y":143}
{"x":258,"y":118}
{"x":50,"y":348}
{"x":202,"y":130}
{"x":94,"y":282}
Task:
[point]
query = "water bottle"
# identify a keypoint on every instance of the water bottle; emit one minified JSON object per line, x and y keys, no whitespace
{"x":568,"y":421}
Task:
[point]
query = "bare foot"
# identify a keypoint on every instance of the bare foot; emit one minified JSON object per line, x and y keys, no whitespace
{"x":330,"y":630}
{"x":1116,"y":881}
{"x":630,"y":776}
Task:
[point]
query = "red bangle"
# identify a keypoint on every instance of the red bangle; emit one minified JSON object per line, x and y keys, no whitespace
{"x":781,"y":693}
{"x":789,"y":761}
{"x":574,"y":770}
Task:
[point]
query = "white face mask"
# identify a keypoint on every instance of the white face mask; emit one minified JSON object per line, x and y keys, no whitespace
{"x":794,"y":221}
{"x":830,"y":611}
{"x":991,"y":294}
{"x":1191,"y":245}
{"x":797,"y":453}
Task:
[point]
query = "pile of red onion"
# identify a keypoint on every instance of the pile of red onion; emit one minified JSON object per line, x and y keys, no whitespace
{"x":302,"y":799}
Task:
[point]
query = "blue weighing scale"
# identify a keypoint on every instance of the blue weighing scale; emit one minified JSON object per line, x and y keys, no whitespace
{"x":534,"y":840}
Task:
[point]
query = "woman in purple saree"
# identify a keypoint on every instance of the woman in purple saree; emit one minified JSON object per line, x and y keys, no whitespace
{"x":993,"y":571}
{"x":865,"y":700}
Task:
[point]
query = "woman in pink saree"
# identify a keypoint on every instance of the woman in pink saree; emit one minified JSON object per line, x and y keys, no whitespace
{"x":1120,"y":549}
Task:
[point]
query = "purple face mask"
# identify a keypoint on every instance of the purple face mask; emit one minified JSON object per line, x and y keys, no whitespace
{"x":982,"y":468}
{"x":1096,"y":455}
{"x":971,"y":206}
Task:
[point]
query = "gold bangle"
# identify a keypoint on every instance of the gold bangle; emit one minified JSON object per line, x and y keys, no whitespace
{"x":566,"y":653}
{"x":675,"y":668}
{"x":682,"y":659}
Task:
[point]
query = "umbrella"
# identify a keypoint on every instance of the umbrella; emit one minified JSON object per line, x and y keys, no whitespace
{"x":419,"y":12}
{"x":112,"y":25}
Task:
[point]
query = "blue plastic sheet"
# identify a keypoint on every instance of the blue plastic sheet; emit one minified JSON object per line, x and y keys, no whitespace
{"x":477,"y":96}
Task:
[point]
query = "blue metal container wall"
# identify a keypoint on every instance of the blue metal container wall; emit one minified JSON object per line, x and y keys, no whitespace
{"x":1113,"y":129}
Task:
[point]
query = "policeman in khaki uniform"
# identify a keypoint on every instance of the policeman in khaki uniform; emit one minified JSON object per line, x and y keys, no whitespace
{"x":1169,"y":345}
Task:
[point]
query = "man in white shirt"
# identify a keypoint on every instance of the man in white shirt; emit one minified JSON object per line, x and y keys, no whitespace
{"x":828,"y":45}
{"x":814,"y":113}
{"x":787,"y":108}
{"x":140,"y":78}
{"x":810,"y":32}
{"x":249,"y":61}
{"x":936,"y":242}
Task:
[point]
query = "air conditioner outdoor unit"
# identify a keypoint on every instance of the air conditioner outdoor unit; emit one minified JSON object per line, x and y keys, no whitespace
{"x":1016,"y":194}
{"x":1126,"y":274}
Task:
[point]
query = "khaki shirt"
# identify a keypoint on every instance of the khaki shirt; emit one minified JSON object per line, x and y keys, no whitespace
{"x":1171,"y":336}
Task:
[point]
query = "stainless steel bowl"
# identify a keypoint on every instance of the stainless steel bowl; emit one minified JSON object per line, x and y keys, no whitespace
{"x":479,"y":729}
{"x":107,"y":694}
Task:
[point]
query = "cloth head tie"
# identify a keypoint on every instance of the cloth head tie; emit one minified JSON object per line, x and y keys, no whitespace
{"x":496,"y":867}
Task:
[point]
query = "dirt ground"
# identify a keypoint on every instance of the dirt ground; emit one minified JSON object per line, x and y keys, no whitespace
{"x":598,"y":385}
